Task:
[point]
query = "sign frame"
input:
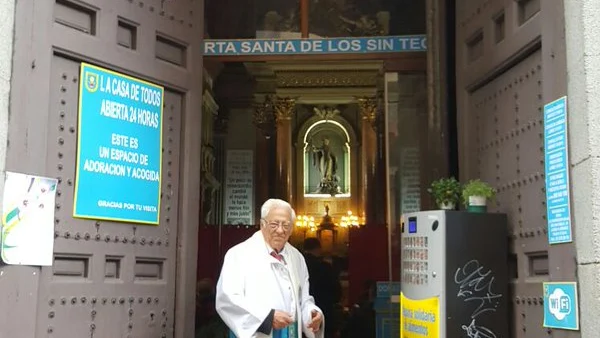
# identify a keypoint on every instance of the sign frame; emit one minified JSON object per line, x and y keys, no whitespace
{"x":556,"y":171}
{"x":550,"y":320}
{"x":131,"y":208}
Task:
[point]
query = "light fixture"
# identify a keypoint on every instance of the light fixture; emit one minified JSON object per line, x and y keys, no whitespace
{"x":349,"y":220}
{"x":306,"y":222}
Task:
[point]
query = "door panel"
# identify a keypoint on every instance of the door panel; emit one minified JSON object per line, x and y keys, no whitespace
{"x":122,"y":274}
{"x":513,"y":141}
{"x":508,"y":65}
{"x":108,"y":279}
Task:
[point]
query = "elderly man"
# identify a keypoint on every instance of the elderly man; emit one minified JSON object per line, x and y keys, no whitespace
{"x":263,"y":289}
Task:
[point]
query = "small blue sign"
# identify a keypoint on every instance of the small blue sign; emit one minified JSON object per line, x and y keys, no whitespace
{"x":561,"y":308}
{"x":556,"y":169}
{"x":119,"y":147}
{"x":364,"y":45}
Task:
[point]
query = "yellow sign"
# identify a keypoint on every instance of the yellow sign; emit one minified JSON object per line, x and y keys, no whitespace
{"x":419,"y":318}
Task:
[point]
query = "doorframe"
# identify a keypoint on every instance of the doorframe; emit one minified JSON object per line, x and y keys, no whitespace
{"x":189,"y":192}
{"x":434,"y":62}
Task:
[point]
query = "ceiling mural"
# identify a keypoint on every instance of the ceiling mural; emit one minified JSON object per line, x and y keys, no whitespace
{"x":329,"y":18}
{"x":340,"y":18}
{"x":274,"y":17}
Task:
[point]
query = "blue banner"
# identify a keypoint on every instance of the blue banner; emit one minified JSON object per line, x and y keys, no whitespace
{"x":364,"y":45}
{"x":119,"y":147}
{"x":556,"y":169}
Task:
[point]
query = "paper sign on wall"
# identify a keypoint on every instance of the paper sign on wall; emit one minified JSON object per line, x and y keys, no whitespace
{"x":239,"y":183}
{"x":561,"y":310}
{"x":27,"y":236}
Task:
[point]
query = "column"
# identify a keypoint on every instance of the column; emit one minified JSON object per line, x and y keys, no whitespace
{"x":209,"y":183}
{"x":304,"y":24}
{"x":437,"y":142}
{"x":220,"y":129}
{"x":264,"y":121}
{"x":284,"y":109}
{"x":368,"y":112}
{"x":570,"y":66}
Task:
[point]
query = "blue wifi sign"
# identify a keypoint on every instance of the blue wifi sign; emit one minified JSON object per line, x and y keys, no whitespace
{"x":560,"y":306}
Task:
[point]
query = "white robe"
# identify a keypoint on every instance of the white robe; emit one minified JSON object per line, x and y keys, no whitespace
{"x":248,"y":288}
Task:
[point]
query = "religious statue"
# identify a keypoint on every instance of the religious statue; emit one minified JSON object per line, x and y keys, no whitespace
{"x":335,"y":18}
{"x":325,"y":160}
{"x":364,"y":25}
{"x":327,"y":221}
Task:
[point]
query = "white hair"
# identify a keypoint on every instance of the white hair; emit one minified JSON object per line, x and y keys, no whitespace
{"x":277,"y":203}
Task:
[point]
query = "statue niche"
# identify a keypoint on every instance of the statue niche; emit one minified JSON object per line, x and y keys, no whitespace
{"x":326,"y":159}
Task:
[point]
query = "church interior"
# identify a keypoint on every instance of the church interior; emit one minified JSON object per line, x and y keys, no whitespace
{"x":344,"y":140}
{"x":317,"y":134}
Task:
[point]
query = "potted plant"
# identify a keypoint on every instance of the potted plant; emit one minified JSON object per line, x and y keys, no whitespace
{"x":476,"y":194}
{"x":445,"y":192}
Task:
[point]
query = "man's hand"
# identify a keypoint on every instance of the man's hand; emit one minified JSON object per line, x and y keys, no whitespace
{"x":281,"y":320}
{"x":316,"y":320}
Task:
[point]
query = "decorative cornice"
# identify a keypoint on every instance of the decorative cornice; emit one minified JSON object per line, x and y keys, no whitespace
{"x":284,"y":108}
{"x":368,"y":109}
{"x":263,"y":113}
{"x":302,"y":79}
{"x":326,"y":113}
{"x":209,"y":103}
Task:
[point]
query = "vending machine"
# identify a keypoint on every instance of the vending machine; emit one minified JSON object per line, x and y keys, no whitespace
{"x":454,"y":281}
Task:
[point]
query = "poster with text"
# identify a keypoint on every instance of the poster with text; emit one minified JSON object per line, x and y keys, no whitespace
{"x":239,"y":193}
{"x":419,"y":318}
{"x":410,"y":175}
{"x":119,"y":147}
{"x":27,"y":235}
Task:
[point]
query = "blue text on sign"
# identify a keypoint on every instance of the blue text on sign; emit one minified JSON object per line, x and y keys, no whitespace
{"x":390,"y":44}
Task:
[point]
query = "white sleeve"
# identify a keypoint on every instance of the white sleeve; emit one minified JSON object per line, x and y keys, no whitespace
{"x":242,"y":318}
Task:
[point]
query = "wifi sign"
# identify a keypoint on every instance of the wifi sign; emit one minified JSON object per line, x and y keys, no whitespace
{"x":560,"y":306}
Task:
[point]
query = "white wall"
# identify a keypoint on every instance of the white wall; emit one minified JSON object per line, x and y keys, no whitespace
{"x":7,"y":16}
{"x":583,"y":65}
{"x":7,"y":21}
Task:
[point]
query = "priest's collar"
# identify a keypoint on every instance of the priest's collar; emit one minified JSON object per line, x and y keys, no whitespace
{"x":270,"y":249}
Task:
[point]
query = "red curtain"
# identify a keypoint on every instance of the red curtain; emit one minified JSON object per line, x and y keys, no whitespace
{"x":207,"y":252}
{"x":367,"y":259}
{"x":210,"y":257}
{"x":367,"y":254}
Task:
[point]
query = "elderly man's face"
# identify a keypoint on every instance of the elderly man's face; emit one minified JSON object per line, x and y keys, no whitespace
{"x":277,"y":227}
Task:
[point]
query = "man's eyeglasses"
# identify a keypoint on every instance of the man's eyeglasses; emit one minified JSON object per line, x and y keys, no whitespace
{"x":274,"y":225}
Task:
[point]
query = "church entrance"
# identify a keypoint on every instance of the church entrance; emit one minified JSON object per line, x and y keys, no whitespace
{"x":328,"y":112}
{"x":341,"y":140}
{"x":342,"y":107}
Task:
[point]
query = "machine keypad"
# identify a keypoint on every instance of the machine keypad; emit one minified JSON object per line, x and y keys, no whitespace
{"x":415,"y":260}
